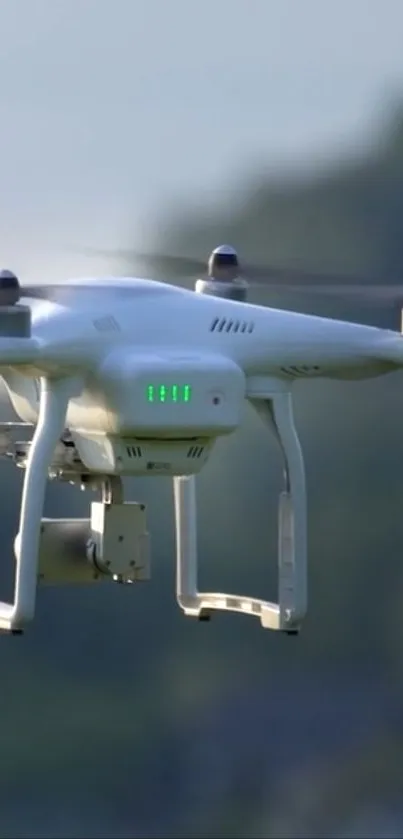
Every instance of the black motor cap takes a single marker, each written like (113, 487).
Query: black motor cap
(10, 290)
(223, 263)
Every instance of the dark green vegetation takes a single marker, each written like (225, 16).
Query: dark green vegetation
(119, 717)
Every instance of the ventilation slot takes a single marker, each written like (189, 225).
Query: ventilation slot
(303, 370)
(133, 451)
(219, 325)
(195, 451)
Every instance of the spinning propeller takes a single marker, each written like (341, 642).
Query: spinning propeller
(224, 267)
(223, 275)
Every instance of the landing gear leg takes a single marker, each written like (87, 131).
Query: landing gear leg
(278, 414)
(54, 400)
(287, 614)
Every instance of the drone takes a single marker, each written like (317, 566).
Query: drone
(118, 376)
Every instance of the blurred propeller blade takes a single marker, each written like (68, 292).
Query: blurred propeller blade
(293, 280)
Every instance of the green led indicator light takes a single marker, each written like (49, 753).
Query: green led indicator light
(168, 393)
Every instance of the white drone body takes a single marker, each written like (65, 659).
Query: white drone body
(124, 377)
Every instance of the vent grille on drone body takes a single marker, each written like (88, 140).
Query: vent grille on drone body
(195, 451)
(232, 326)
(134, 451)
(302, 370)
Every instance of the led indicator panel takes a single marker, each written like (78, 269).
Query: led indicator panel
(169, 393)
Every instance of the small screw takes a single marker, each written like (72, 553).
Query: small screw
(132, 563)
(107, 563)
(120, 538)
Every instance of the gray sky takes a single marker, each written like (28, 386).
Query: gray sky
(111, 109)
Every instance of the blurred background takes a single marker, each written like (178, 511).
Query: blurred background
(277, 126)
